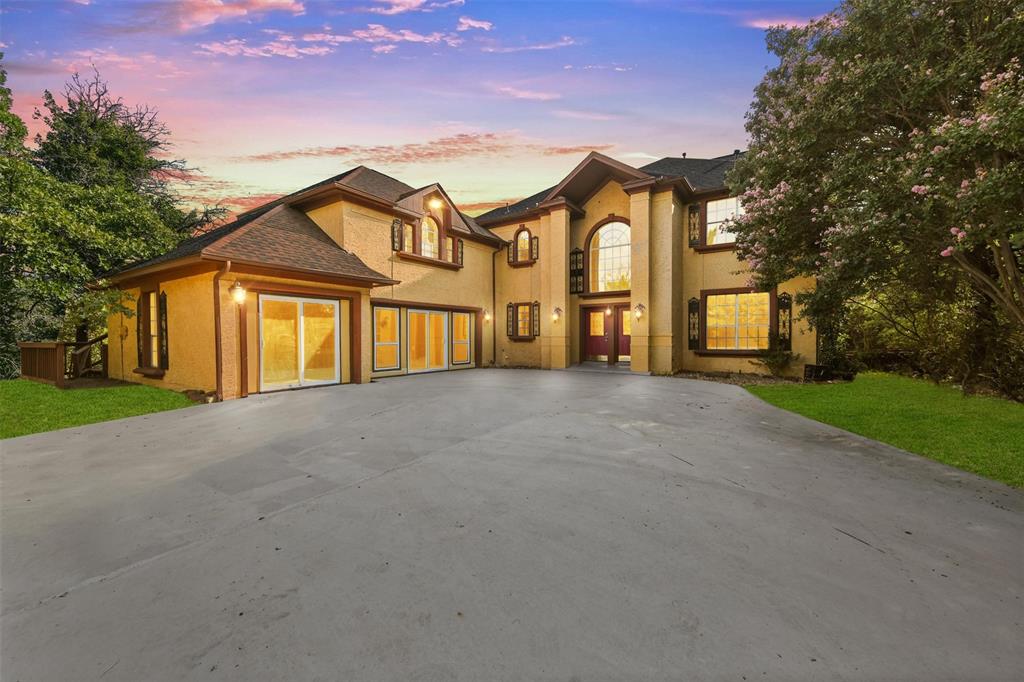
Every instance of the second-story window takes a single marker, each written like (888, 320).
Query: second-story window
(610, 257)
(720, 215)
(523, 245)
(430, 236)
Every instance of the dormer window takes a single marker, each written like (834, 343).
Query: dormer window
(430, 238)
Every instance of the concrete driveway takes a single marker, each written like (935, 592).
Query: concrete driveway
(501, 525)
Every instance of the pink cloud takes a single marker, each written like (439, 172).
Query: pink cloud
(449, 148)
(468, 24)
(564, 41)
(517, 93)
(190, 14)
(282, 46)
(768, 22)
(385, 49)
(403, 6)
(376, 34)
(109, 59)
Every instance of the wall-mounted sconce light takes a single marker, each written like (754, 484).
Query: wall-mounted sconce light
(435, 203)
(556, 314)
(608, 310)
(639, 309)
(237, 292)
(487, 316)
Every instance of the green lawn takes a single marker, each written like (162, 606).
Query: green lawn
(31, 407)
(978, 434)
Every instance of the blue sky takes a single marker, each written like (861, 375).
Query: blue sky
(495, 100)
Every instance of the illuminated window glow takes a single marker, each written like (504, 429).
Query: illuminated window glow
(738, 321)
(610, 258)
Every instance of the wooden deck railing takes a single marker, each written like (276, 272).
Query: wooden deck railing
(57, 362)
(44, 361)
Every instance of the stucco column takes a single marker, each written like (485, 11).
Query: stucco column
(553, 261)
(665, 234)
(640, 277)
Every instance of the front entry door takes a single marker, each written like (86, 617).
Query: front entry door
(623, 331)
(428, 341)
(597, 335)
(299, 342)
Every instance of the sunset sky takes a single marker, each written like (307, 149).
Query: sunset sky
(494, 100)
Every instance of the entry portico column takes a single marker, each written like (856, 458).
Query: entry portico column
(640, 279)
(554, 263)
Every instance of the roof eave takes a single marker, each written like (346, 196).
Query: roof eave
(372, 281)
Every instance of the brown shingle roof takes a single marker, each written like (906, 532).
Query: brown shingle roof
(282, 237)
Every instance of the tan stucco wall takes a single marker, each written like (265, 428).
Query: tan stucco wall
(190, 337)
(518, 285)
(722, 270)
(366, 232)
(666, 272)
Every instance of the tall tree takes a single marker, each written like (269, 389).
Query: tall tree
(887, 149)
(84, 203)
(94, 139)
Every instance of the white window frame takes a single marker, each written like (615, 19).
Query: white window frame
(469, 337)
(708, 224)
(398, 343)
(408, 345)
(302, 382)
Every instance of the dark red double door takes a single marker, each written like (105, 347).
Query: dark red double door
(606, 333)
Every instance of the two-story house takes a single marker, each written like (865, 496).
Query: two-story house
(361, 276)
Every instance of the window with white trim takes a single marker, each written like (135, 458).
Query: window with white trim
(386, 339)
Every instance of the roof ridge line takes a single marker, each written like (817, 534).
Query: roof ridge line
(228, 238)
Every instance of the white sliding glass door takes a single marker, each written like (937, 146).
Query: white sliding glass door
(428, 340)
(300, 342)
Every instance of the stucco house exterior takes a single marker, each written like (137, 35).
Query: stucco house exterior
(361, 276)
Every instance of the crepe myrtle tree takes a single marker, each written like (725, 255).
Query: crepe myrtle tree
(887, 149)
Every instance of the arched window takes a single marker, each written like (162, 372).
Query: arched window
(610, 257)
(430, 237)
(523, 245)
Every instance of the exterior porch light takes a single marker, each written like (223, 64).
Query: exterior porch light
(237, 292)
(639, 310)
(556, 314)
(487, 316)
(608, 310)
(435, 203)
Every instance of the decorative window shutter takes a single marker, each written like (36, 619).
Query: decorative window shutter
(576, 271)
(510, 321)
(535, 318)
(140, 311)
(785, 321)
(460, 252)
(511, 252)
(534, 248)
(396, 235)
(693, 324)
(163, 330)
(695, 224)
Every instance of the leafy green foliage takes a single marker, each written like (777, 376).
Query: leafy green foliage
(93, 197)
(981, 434)
(12, 128)
(30, 407)
(886, 150)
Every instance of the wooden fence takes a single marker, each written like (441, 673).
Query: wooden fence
(44, 361)
(57, 362)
